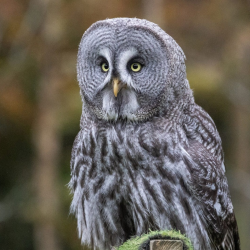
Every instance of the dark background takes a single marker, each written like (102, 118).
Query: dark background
(40, 104)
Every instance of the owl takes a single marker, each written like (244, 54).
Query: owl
(147, 157)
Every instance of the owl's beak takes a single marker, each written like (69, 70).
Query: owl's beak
(117, 85)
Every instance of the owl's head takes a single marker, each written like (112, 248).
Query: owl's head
(130, 69)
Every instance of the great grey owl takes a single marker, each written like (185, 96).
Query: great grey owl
(147, 157)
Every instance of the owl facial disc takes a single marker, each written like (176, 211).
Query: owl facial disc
(128, 70)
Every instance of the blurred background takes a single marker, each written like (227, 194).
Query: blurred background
(40, 104)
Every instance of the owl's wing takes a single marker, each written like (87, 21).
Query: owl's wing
(204, 159)
(74, 153)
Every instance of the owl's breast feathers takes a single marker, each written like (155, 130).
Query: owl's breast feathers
(161, 174)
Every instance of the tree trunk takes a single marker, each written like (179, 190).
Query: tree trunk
(46, 137)
(154, 12)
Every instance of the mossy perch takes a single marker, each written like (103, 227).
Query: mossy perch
(158, 240)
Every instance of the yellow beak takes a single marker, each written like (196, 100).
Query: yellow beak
(116, 86)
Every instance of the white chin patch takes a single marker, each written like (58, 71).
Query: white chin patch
(108, 105)
(128, 107)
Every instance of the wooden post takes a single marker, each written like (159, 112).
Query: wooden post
(166, 245)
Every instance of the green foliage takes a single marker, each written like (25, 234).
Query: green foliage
(136, 242)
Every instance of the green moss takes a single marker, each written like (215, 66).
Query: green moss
(142, 242)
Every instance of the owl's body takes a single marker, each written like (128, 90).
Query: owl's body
(146, 157)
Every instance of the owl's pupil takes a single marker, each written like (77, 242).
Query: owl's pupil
(105, 67)
(136, 67)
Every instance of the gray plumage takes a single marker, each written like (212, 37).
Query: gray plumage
(149, 158)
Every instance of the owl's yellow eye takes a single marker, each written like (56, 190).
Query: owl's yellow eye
(105, 67)
(136, 67)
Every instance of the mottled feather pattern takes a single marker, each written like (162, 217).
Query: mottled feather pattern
(159, 166)
(150, 178)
